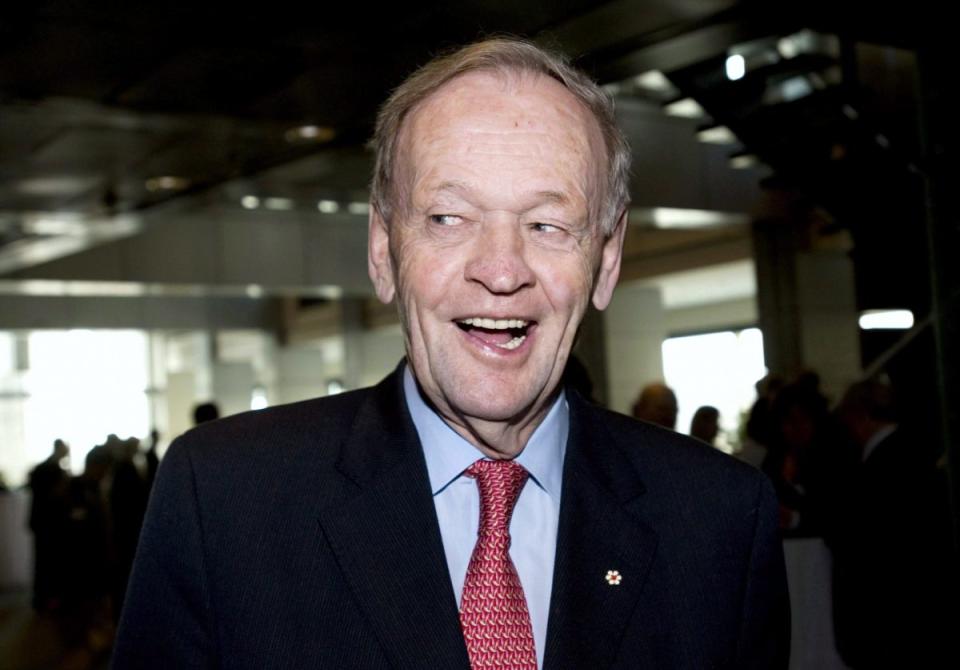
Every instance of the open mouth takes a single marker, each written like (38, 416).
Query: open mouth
(505, 334)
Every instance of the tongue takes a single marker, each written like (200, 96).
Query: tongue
(495, 337)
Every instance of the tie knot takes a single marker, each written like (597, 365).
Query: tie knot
(500, 483)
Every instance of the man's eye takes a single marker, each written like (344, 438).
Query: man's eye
(540, 227)
(445, 219)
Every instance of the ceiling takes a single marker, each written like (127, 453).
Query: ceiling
(115, 121)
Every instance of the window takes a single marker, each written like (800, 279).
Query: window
(718, 369)
(82, 385)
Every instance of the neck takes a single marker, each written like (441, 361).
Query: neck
(496, 439)
(499, 439)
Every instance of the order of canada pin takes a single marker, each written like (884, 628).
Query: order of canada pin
(613, 577)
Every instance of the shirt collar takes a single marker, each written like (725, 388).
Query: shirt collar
(448, 454)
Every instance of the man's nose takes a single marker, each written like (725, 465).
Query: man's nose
(497, 259)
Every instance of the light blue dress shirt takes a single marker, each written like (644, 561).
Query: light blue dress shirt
(533, 528)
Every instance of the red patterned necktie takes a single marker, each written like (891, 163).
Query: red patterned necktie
(493, 610)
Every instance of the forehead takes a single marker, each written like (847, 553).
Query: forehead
(516, 119)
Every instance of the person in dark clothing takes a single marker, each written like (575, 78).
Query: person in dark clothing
(312, 536)
(48, 485)
(205, 411)
(803, 458)
(152, 458)
(895, 590)
(128, 504)
(705, 424)
(87, 545)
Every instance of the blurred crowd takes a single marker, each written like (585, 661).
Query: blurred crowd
(874, 488)
(85, 530)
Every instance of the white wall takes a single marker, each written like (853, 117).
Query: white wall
(635, 328)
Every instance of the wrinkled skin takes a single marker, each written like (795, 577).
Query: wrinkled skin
(497, 175)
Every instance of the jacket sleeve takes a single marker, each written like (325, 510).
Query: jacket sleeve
(167, 618)
(764, 642)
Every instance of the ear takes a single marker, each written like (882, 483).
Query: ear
(379, 265)
(609, 270)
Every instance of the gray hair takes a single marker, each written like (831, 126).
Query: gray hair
(508, 55)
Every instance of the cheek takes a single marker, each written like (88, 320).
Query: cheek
(424, 279)
(567, 285)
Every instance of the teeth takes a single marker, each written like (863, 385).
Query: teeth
(495, 324)
(514, 343)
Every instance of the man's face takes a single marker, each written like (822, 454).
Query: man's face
(493, 254)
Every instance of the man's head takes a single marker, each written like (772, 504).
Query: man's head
(657, 403)
(866, 408)
(60, 450)
(204, 412)
(499, 202)
(705, 424)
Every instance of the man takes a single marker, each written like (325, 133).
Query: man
(657, 403)
(48, 514)
(367, 530)
(705, 424)
(894, 586)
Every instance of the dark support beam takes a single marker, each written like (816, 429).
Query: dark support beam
(776, 241)
(941, 166)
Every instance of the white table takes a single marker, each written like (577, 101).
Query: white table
(809, 564)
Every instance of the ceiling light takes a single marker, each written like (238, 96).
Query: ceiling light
(716, 135)
(886, 319)
(254, 291)
(789, 47)
(166, 183)
(278, 204)
(735, 67)
(787, 90)
(250, 201)
(653, 80)
(796, 88)
(850, 112)
(310, 133)
(612, 89)
(358, 208)
(808, 42)
(55, 186)
(54, 225)
(328, 206)
(684, 107)
(742, 161)
(671, 217)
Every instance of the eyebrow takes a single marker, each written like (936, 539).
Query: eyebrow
(458, 186)
(461, 187)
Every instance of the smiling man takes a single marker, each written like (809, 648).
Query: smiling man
(468, 512)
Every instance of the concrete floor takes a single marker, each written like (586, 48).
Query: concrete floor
(31, 641)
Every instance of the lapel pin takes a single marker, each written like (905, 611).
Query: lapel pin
(613, 577)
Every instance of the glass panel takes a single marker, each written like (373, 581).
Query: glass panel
(718, 369)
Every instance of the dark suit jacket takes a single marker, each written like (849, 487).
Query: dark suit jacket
(305, 536)
(894, 586)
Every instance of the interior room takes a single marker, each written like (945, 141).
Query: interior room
(184, 209)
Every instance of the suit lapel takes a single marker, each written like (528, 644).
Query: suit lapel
(387, 540)
(597, 533)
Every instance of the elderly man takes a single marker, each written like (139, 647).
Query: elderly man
(467, 512)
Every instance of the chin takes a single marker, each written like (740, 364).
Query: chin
(493, 404)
